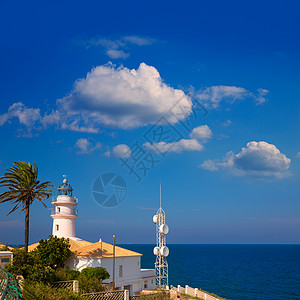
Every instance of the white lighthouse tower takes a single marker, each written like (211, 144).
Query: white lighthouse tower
(64, 213)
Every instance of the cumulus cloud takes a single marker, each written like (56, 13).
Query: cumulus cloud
(84, 146)
(177, 147)
(201, 133)
(257, 159)
(119, 97)
(124, 98)
(212, 96)
(109, 96)
(120, 151)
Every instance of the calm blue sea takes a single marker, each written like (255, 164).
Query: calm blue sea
(237, 272)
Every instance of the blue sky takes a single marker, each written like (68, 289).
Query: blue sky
(82, 82)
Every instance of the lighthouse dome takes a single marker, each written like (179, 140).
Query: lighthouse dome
(65, 188)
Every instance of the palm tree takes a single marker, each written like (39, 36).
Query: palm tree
(23, 186)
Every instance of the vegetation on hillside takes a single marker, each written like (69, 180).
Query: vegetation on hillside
(43, 266)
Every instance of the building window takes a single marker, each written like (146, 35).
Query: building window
(5, 260)
(151, 281)
(57, 227)
(145, 285)
(58, 209)
(120, 270)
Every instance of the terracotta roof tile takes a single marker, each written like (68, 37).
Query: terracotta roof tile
(84, 248)
(74, 245)
(94, 250)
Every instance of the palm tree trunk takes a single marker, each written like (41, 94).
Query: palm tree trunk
(26, 226)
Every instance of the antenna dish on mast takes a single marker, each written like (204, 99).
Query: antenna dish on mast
(156, 251)
(164, 251)
(164, 228)
(161, 250)
(155, 219)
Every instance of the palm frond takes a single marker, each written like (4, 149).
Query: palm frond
(23, 186)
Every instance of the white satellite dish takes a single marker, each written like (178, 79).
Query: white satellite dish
(156, 250)
(155, 219)
(163, 228)
(164, 251)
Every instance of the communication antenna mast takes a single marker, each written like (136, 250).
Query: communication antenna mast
(161, 250)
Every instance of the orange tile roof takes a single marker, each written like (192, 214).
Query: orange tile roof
(84, 248)
(74, 245)
(94, 250)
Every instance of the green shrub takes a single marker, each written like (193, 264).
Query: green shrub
(97, 272)
(40, 264)
(65, 275)
(53, 252)
(90, 285)
(41, 291)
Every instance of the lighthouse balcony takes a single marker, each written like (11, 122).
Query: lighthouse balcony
(62, 199)
(56, 212)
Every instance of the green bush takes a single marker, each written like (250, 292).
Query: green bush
(65, 275)
(53, 252)
(97, 272)
(90, 280)
(41, 291)
(40, 264)
(90, 285)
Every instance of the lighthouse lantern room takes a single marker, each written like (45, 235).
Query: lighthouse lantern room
(64, 213)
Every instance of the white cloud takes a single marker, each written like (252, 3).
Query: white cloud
(105, 43)
(66, 121)
(202, 132)
(257, 159)
(115, 48)
(124, 98)
(26, 116)
(120, 151)
(84, 146)
(114, 97)
(137, 40)
(114, 53)
(260, 99)
(227, 123)
(178, 147)
(211, 97)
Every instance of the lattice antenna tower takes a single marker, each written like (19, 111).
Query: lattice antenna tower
(161, 250)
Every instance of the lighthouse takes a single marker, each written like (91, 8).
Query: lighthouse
(64, 213)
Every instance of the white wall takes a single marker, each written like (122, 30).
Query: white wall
(66, 227)
(131, 272)
(148, 279)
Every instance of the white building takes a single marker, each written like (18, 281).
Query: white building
(5, 258)
(128, 272)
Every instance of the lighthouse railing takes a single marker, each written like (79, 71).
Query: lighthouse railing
(54, 211)
(72, 199)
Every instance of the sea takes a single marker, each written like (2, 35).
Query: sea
(237, 272)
